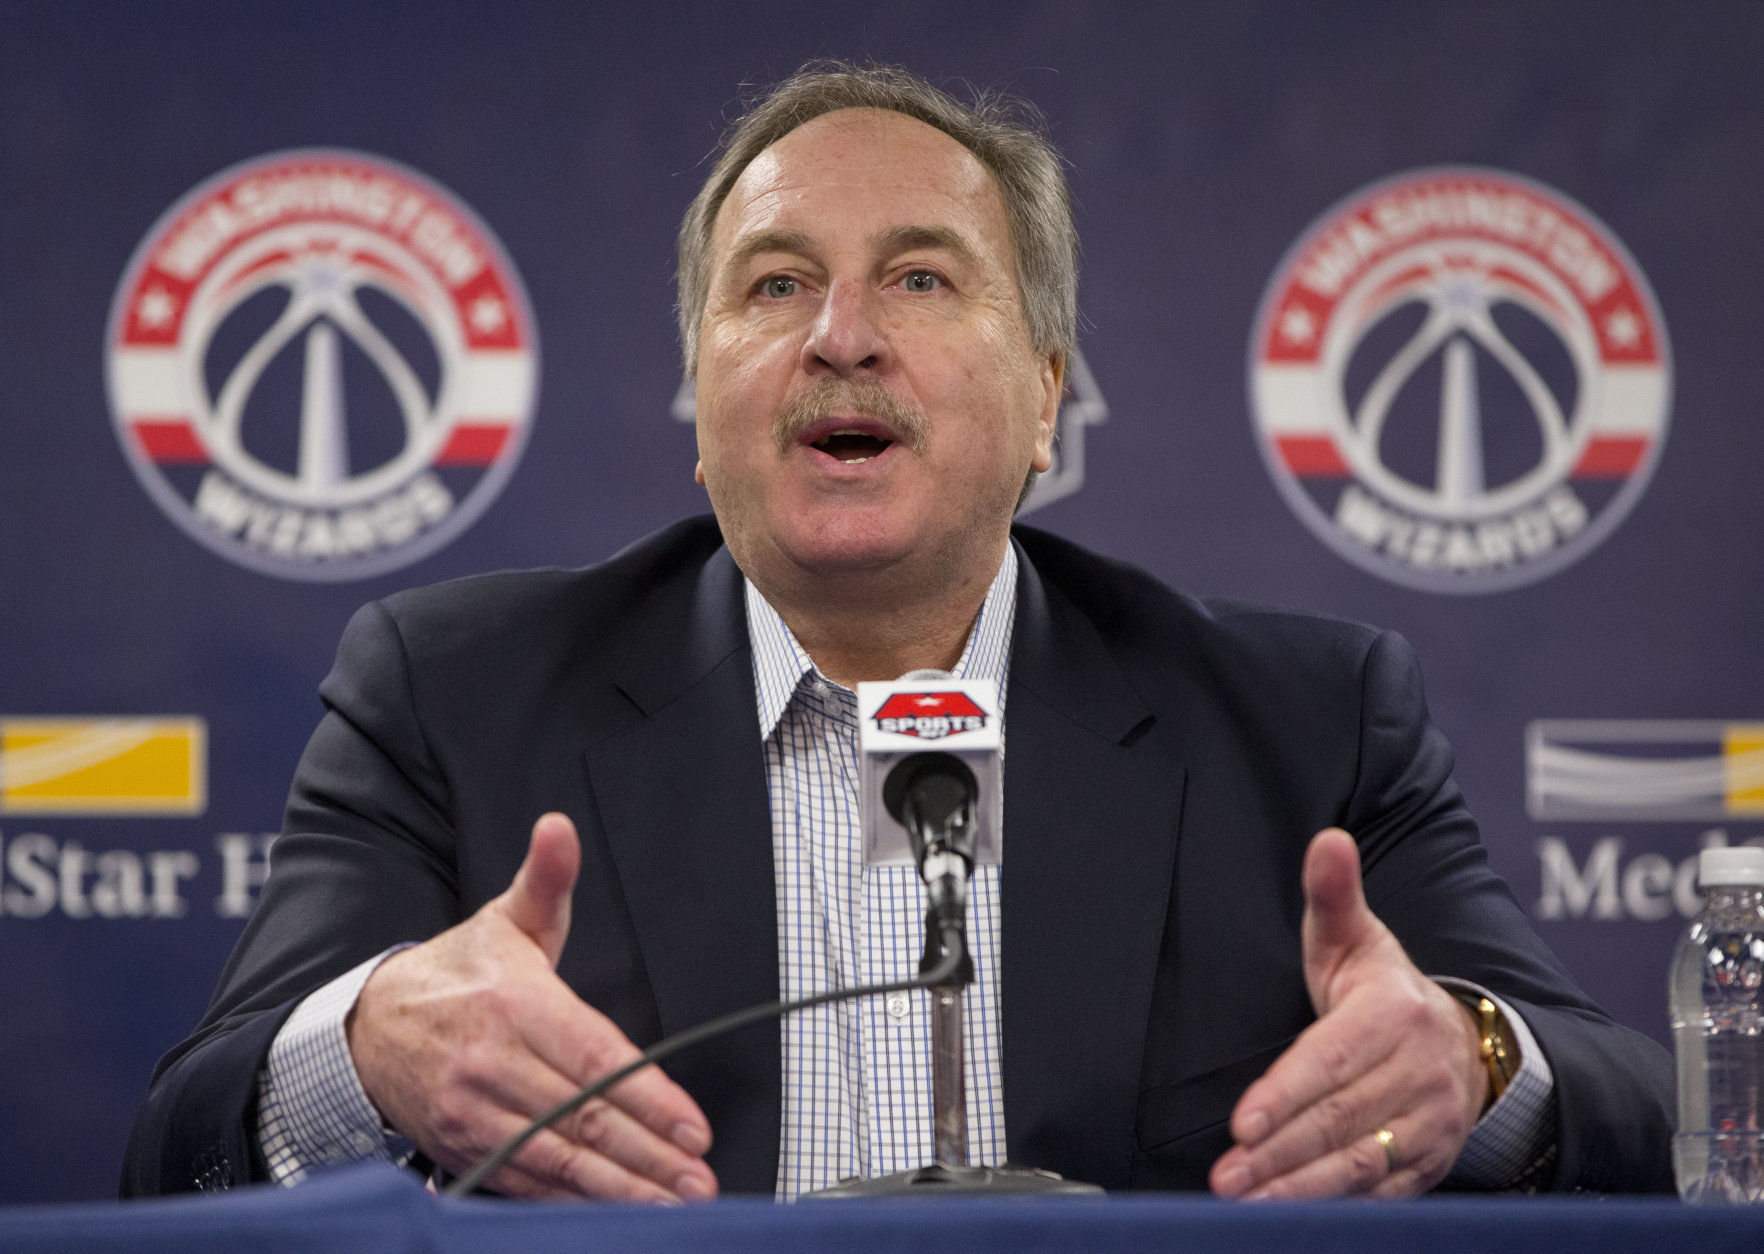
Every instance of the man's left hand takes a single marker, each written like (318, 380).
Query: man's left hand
(1390, 1052)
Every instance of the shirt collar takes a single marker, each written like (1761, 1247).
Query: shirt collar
(780, 664)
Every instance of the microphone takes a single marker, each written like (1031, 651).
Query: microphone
(931, 777)
(932, 795)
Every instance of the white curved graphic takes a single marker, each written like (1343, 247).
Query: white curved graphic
(78, 750)
(1643, 769)
(322, 289)
(1459, 302)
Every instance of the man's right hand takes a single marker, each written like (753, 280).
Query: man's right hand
(462, 1041)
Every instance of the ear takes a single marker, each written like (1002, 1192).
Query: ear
(1053, 383)
(698, 474)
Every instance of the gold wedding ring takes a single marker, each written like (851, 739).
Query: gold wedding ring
(1387, 1139)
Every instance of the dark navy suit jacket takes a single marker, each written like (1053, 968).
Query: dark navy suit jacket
(1169, 761)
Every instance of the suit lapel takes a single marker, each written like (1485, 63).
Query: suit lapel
(680, 788)
(1091, 816)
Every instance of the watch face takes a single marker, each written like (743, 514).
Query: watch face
(1496, 1045)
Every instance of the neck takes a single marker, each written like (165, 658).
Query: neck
(855, 631)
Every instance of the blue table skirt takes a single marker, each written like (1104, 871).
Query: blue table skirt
(376, 1210)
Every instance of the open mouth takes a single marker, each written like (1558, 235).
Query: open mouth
(851, 447)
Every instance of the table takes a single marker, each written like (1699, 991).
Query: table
(374, 1209)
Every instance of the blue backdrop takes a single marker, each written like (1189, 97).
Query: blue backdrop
(1535, 222)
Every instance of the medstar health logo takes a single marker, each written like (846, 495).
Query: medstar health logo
(1460, 380)
(321, 365)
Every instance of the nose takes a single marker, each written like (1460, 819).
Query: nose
(847, 336)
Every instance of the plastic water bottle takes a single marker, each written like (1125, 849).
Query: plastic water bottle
(1717, 998)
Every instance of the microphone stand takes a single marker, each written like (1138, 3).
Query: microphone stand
(948, 1174)
(949, 1097)
(932, 795)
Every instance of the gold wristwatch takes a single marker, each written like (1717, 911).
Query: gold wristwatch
(1495, 1042)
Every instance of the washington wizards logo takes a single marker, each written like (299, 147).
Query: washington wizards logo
(321, 365)
(1460, 380)
(929, 715)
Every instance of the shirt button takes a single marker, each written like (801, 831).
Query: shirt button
(898, 1006)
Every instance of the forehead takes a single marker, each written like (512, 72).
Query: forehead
(864, 169)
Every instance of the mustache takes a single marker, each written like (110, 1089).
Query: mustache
(864, 397)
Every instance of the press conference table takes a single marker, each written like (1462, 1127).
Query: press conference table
(376, 1210)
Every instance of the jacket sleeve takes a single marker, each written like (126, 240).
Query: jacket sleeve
(1427, 876)
(365, 861)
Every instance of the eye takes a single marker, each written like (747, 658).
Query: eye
(922, 281)
(779, 286)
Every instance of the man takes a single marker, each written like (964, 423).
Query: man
(877, 301)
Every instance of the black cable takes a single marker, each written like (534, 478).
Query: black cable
(954, 955)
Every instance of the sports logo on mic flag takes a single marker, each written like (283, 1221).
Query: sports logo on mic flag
(1644, 769)
(929, 715)
(103, 766)
(321, 365)
(1460, 380)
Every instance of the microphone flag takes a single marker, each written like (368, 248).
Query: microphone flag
(922, 713)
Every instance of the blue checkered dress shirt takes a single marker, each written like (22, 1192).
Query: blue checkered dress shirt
(857, 1075)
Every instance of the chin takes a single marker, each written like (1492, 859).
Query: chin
(826, 558)
(848, 544)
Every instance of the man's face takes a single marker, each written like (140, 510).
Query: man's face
(868, 396)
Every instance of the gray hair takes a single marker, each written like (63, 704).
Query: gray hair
(1004, 132)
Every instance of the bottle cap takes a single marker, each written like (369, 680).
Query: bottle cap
(1742, 864)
